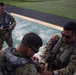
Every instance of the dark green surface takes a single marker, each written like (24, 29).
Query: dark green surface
(64, 8)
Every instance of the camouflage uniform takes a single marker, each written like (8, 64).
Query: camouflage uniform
(25, 69)
(28, 69)
(6, 35)
(69, 68)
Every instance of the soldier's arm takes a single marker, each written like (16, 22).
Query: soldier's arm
(1, 54)
(70, 69)
(12, 20)
(28, 69)
(48, 47)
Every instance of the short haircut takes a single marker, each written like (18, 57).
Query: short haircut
(70, 26)
(2, 4)
(32, 39)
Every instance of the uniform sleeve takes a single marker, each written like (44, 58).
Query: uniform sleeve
(12, 20)
(28, 69)
(70, 69)
(1, 54)
(48, 47)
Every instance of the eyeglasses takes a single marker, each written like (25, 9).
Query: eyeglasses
(35, 50)
(63, 35)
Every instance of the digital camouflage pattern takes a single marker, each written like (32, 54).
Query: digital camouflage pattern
(28, 69)
(22, 66)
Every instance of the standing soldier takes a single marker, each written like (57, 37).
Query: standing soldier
(7, 24)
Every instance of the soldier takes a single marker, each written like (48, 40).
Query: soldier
(17, 61)
(60, 52)
(7, 24)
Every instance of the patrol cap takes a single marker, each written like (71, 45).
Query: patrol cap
(32, 40)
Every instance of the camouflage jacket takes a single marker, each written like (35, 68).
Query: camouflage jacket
(71, 62)
(18, 64)
(7, 19)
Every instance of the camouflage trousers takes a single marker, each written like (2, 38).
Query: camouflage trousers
(7, 37)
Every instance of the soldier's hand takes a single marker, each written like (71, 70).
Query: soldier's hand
(47, 73)
(42, 67)
(1, 28)
(34, 58)
(10, 28)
